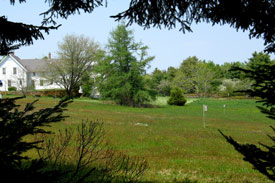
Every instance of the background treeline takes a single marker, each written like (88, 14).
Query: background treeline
(205, 78)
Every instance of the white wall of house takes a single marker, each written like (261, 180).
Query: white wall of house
(40, 83)
(12, 74)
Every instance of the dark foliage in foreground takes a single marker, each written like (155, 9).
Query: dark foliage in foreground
(263, 87)
(16, 124)
(68, 156)
(255, 16)
(262, 160)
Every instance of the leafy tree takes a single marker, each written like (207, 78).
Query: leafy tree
(157, 76)
(159, 82)
(171, 73)
(231, 87)
(194, 76)
(206, 76)
(176, 97)
(76, 56)
(87, 84)
(227, 73)
(185, 76)
(122, 71)
(164, 87)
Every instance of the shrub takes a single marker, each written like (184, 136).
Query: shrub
(72, 155)
(12, 88)
(91, 159)
(176, 97)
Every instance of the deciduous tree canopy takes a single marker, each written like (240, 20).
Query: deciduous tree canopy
(76, 55)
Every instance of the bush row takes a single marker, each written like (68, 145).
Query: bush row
(42, 93)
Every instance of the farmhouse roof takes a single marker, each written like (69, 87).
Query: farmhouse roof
(34, 65)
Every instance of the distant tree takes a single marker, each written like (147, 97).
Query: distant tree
(121, 73)
(158, 75)
(230, 87)
(216, 77)
(87, 83)
(171, 73)
(185, 76)
(206, 76)
(76, 56)
(176, 97)
(226, 72)
(159, 82)
(194, 76)
(164, 87)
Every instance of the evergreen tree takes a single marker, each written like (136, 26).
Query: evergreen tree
(176, 97)
(16, 124)
(122, 71)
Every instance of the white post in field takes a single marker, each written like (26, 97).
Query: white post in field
(204, 109)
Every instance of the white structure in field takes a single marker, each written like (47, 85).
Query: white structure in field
(22, 73)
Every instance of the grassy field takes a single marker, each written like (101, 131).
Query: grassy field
(173, 140)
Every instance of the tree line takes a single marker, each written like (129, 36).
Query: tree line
(205, 78)
(118, 72)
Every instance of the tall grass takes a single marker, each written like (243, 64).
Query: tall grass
(173, 139)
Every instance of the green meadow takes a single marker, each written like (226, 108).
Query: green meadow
(173, 140)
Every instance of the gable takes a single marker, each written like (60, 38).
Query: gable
(10, 61)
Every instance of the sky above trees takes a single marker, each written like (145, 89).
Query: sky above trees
(219, 43)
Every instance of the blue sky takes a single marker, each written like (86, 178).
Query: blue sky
(170, 47)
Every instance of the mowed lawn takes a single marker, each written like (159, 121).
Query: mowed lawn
(172, 139)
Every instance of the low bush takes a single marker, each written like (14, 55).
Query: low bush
(12, 88)
(176, 97)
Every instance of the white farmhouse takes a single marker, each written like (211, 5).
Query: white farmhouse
(22, 73)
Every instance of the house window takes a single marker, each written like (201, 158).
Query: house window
(9, 83)
(4, 70)
(41, 82)
(20, 82)
(14, 70)
(33, 74)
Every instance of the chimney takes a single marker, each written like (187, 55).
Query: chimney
(12, 53)
(49, 56)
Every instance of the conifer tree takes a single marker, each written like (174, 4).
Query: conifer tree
(121, 72)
